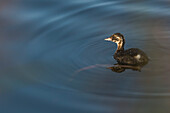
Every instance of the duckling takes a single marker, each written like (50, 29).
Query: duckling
(132, 56)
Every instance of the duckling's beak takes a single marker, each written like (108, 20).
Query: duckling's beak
(108, 39)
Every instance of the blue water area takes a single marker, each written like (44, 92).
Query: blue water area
(53, 57)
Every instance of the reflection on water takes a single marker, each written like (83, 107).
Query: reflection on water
(122, 68)
(44, 42)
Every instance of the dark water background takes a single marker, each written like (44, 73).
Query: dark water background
(43, 42)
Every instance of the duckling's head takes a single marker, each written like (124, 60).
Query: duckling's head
(117, 38)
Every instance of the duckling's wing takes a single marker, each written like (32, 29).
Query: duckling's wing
(135, 56)
(131, 56)
(127, 59)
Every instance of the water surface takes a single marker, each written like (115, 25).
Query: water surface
(43, 43)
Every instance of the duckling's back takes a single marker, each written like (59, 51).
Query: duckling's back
(133, 56)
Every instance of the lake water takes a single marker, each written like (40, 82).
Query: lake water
(53, 56)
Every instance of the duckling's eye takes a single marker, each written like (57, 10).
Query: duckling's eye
(116, 39)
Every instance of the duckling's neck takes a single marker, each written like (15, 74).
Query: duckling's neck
(120, 46)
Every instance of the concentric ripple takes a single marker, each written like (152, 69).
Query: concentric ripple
(53, 54)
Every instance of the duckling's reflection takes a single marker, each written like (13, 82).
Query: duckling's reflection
(121, 68)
